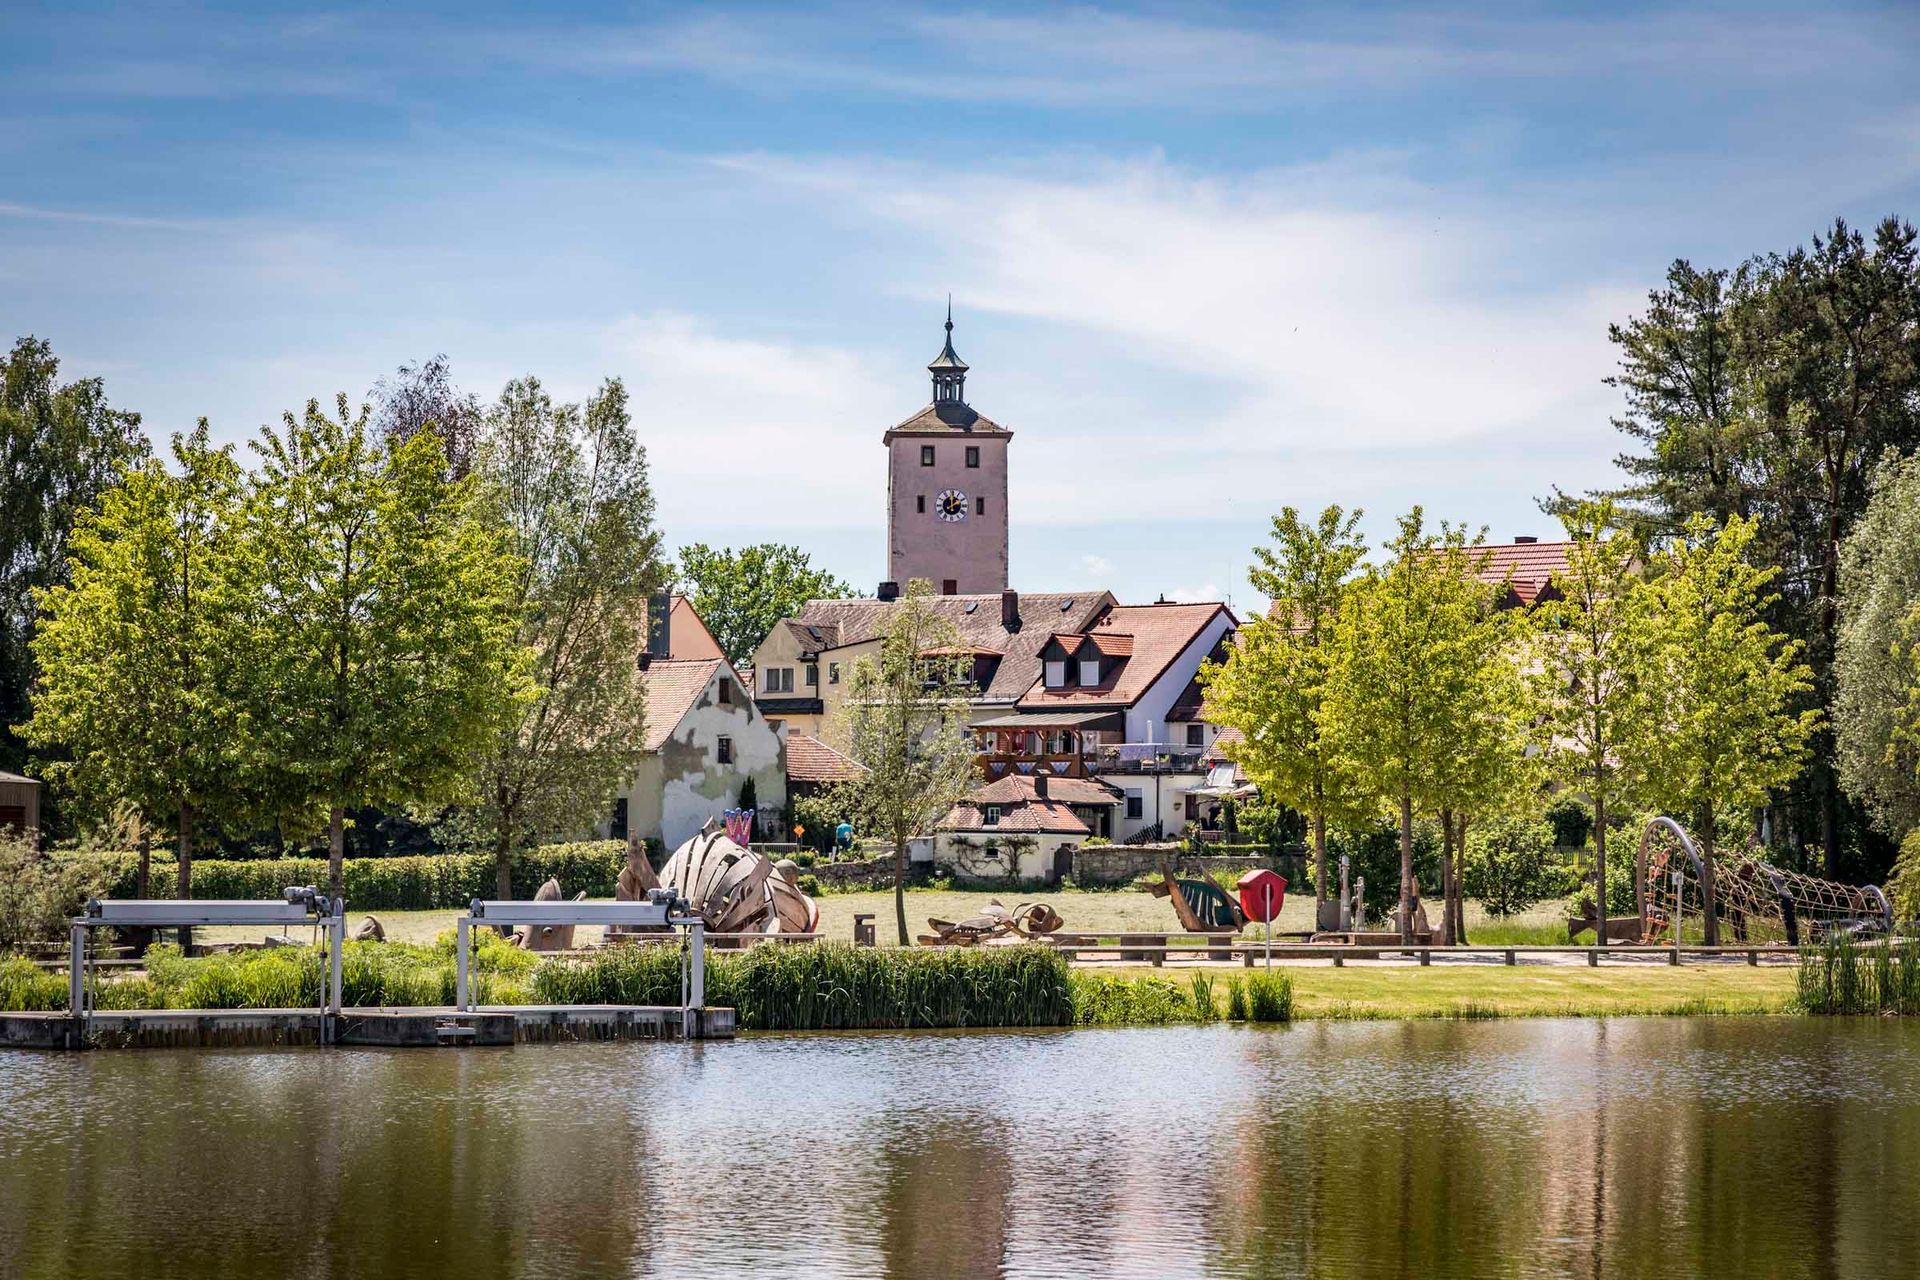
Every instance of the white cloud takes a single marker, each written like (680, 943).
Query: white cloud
(753, 431)
(1097, 567)
(1203, 594)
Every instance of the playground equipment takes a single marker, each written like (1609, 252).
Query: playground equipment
(995, 926)
(1754, 901)
(1202, 905)
(736, 890)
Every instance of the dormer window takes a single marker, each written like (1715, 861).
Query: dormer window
(1089, 672)
(1056, 673)
(993, 815)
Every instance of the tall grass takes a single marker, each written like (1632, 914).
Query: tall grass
(1108, 1000)
(1842, 976)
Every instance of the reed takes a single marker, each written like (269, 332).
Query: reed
(1841, 976)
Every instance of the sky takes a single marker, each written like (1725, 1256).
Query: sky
(1206, 260)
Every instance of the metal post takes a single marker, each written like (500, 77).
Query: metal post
(462, 929)
(1269, 888)
(697, 961)
(77, 971)
(1679, 908)
(336, 964)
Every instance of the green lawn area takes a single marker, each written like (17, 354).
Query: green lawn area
(1108, 912)
(1538, 991)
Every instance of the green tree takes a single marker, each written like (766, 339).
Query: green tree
(1509, 865)
(1273, 685)
(1713, 728)
(1587, 665)
(61, 447)
(742, 595)
(137, 664)
(381, 637)
(1878, 677)
(1411, 677)
(569, 484)
(906, 720)
(1772, 393)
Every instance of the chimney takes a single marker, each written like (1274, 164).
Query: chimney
(889, 591)
(1039, 784)
(659, 628)
(1524, 539)
(1009, 610)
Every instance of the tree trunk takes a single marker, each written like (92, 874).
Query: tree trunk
(1459, 883)
(503, 869)
(1320, 893)
(900, 888)
(143, 888)
(1709, 901)
(1406, 869)
(1446, 877)
(184, 852)
(337, 852)
(1600, 863)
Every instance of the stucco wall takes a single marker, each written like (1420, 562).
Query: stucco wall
(1147, 718)
(972, 551)
(676, 789)
(1022, 856)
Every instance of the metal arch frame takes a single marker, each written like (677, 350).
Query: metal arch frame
(661, 908)
(298, 905)
(1640, 867)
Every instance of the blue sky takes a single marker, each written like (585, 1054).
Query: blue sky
(1206, 260)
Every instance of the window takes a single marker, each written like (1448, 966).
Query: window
(725, 751)
(617, 829)
(1056, 673)
(1196, 735)
(949, 586)
(1135, 807)
(779, 679)
(772, 682)
(726, 692)
(979, 506)
(1089, 672)
(926, 455)
(833, 673)
(993, 815)
(920, 504)
(813, 675)
(973, 455)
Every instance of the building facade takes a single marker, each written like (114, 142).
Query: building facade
(947, 490)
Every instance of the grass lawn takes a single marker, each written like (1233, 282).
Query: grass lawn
(1106, 912)
(1458, 991)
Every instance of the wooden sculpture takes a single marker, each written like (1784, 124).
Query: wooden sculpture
(735, 890)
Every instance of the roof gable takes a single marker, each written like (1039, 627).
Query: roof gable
(1146, 640)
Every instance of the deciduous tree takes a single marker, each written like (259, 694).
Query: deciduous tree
(1587, 666)
(569, 484)
(742, 595)
(1714, 726)
(906, 720)
(136, 655)
(1273, 685)
(382, 639)
(1877, 702)
(61, 447)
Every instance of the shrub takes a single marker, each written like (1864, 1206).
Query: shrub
(426, 883)
(1572, 822)
(1903, 884)
(1269, 996)
(808, 883)
(40, 893)
(1510, 865)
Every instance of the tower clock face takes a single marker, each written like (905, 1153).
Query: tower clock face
(951, 505)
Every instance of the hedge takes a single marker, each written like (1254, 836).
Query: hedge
(437, 882)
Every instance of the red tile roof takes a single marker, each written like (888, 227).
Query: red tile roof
(1217, 753)
(1156, 635)
(1532, 564)
(1049, 817)
(811, 760)
(673, 686)
(1018, 788)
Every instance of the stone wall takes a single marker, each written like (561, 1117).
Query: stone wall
(1103, 865)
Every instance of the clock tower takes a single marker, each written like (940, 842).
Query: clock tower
(947, 490)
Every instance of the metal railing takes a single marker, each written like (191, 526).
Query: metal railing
(661, 909)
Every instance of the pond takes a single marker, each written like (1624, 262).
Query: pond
(1630, 1147)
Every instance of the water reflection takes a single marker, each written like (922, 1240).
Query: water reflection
(1628, 1148)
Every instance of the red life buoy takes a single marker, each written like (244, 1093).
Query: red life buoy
(1262, 894)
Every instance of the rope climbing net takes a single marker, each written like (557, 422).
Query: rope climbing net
(1755, 901)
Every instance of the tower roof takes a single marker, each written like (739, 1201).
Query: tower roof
(948, 359)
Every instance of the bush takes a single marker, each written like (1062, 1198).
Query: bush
(1375, 854)
(1510, 865)
(428, 883)
(41, 893)
(1903, 883)
(1572, 822)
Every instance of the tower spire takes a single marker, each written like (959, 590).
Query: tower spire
(949, 371)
